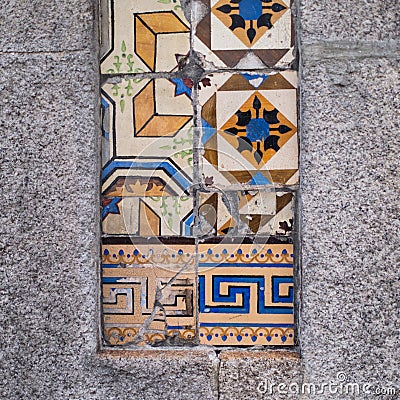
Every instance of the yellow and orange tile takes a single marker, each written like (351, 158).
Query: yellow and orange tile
(246, 294)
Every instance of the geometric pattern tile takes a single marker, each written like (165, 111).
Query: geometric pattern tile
(147, 117)
(148, 285)
(234, 30)
(246, 213)
(142, 36)
(246, 294)
(249, 129)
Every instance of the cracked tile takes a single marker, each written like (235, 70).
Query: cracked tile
(149, 293)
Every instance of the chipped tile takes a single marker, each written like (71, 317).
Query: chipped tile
(142, 36)
(246, 294)
(149, 293)
(246, 33)
(243, 213)
(249, 130)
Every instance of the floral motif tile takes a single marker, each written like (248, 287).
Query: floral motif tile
(244, 213)
(149, 293)
(246, 294)
(142, 36)
(247, 33)
(249, 129)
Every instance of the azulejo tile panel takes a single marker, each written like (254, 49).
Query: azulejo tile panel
(247, 33)
(246, 294)
(142, 36)
(148, 293)
(199, 175)
(249, 129)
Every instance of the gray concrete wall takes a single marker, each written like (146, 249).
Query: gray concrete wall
(49, 233)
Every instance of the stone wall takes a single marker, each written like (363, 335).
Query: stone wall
(348, 321)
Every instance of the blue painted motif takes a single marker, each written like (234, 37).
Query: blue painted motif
(259, 179)
(237, 265)
(110, 280)
(250, 9)
(276, 281)
(251, 78)
(104, 107)
(231, 296)
(154, 165)
(245, 324)
(208, 131)
(181, 88)
(188, 225)
(110, 266)
(257, 130)
(111, 208)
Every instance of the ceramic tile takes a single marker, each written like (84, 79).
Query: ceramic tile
(148, 118)
(246, 33)
(246, 294)
(147, 216)
(148, 293)
(142, 36)
(249, 130)
(242, 213)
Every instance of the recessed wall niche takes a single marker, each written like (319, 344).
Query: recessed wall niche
(200, 173)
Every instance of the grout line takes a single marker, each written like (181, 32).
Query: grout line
(297, 212)
(196, 181)
(326, 49)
